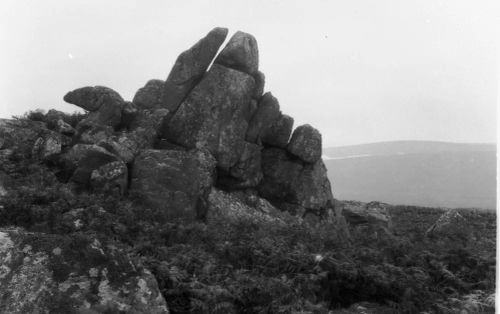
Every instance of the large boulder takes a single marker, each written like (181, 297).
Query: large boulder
(268, 110)
(215, 115)
(105, 105)
(42, 273)
(149, 96)
(241, 53)
(190, 67)
(174, 182)
(294, 185)
(306, 143)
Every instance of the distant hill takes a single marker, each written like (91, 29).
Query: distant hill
(437, 174)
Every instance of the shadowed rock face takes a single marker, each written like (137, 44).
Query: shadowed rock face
(173, 181)
(190, 67)
(42, 273)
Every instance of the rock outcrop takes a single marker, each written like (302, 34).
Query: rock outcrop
(41, 273)
(209, 124)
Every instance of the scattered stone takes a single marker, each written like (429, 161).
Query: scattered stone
(268, 110)
(111, 178)
(149, 96)
(241, 53)
(65, 128)
(190, 67)
(373, 213)
(173, 181)
(279, 132)
(306, 143)
(46, 147)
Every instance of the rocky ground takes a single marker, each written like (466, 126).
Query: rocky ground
(198, 196)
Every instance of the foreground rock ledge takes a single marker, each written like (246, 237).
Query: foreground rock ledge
(41, 273)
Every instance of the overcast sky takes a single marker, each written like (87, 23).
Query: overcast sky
(359, 71)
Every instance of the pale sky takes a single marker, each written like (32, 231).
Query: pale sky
(359, 71)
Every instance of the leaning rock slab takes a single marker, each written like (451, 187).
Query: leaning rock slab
(306, 143)
(41, 273)
(241, 53)
(172, 181)
(190, 67)
(214, 115)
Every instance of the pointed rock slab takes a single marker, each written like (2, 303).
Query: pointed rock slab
(306, 143)
(174, 182)
(149, 96)
(215, 115)
(279, 132)
(45, 273)
(190, 67)
(288, 180)
(241, 53)
(267, 111)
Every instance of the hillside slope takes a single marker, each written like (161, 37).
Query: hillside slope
(415, 173)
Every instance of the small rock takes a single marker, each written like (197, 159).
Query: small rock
(306, 143)
(149, 96)
(110, 178)
(279, 132)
